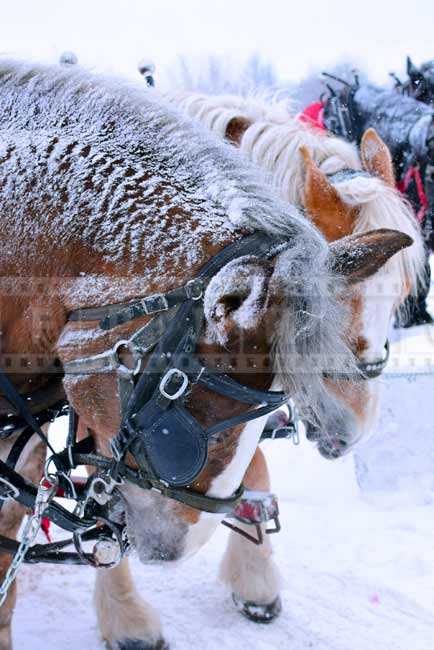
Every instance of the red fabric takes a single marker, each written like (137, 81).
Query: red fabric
(314, 115)
(45, 526)
(414, 172)
(46, 523)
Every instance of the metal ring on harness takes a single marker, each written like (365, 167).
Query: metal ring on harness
(107, 552)
(13, 491)
(117, 362)
(194, 290)
(173, 372)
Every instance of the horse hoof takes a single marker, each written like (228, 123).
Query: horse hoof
(258, 613)
(137, 644)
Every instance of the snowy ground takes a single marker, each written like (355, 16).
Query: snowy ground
(358, 567)
(358, 577)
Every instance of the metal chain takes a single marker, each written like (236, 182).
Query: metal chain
(31, 529)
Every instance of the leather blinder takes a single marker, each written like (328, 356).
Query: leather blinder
(174, 448)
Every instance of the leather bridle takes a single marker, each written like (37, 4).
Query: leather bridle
(167, 442)
(157, 428)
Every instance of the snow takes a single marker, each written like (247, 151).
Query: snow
(356, 559)
(357, 574)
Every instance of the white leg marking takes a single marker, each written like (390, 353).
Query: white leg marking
(121, 612)
(249, 571)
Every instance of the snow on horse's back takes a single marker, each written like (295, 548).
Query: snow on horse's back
(113, 151)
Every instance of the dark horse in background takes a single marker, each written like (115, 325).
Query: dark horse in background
(405, 121)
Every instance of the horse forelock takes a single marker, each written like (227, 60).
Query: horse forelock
(305, 343)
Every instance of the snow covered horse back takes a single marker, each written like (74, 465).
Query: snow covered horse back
(109, 196)
(343, 195)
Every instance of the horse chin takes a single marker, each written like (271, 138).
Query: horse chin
(155, 534)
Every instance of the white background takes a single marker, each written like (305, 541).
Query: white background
(294, 35)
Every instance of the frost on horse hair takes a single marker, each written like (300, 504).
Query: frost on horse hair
(114, 165)
(108, 195)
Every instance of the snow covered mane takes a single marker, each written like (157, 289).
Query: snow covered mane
(272, 139)
(114, 146)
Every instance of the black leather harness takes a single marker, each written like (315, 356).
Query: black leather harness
(168, 443)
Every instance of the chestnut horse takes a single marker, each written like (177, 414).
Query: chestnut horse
(342, 195)
(108, 197)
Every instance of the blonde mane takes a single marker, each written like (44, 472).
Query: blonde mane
(273, 141)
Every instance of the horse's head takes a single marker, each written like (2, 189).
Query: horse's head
(343, 195)
(267, 322)
(420, 84)
(356, 201)
(173, 200)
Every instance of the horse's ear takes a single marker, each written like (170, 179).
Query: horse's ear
(412, 71)
(237, 297)
(236, 128)
(329, 213)
(359, 256)
(376, 157)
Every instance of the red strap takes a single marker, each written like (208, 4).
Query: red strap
(45, 526)
(46, 523)
(314, 115)
(403, 185)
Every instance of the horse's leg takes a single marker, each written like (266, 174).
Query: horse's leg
(31, 466)
(125, 620)
(249, 570)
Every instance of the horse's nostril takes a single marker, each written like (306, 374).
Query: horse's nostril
(329, 453)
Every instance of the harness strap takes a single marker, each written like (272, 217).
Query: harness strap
(50, 553)
(402, 186)
(26, 495)
(111, 316)
(138, 345)
(225, 385)
(243, 418)
(213, 505)
(15, 398)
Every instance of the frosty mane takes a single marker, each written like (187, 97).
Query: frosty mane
(273, 142)
(119, 143)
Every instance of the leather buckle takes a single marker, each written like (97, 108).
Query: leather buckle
(194, 289)
(155, 303)
(165, 381)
